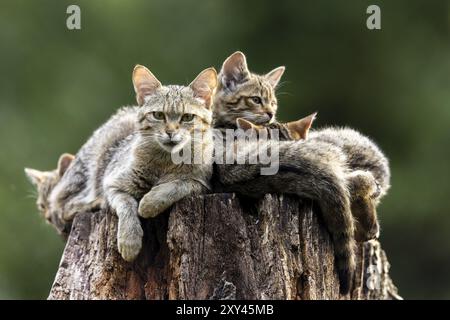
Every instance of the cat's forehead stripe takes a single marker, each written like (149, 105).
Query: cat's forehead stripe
(174, 100)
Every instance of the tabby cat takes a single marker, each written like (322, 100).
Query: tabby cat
(127, 164)
(142, 179)
(312, 168)
(369, 170)
(45, 182)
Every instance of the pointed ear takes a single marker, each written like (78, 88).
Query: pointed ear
(64, 162)
(205, 85)
(299, 129)
(274, 76)
(234, 71)
(144, 82)
(243, 124)
(36, 177)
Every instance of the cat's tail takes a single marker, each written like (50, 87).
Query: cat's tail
(321, 175)
(331, 193)
(313, 170)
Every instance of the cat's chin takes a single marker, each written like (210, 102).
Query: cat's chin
(171, 147)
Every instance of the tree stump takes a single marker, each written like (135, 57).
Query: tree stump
(217, 246)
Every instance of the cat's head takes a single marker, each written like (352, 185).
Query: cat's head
(45, 181)
(295, 130)
(242, 94)
(171, 114)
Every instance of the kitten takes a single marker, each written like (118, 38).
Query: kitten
(246, 95)
(80, 189)
(314, 170)
(45, 181)
(142, 179)
(368, 175)
(243, 94)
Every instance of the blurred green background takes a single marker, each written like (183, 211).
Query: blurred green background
(57, 86)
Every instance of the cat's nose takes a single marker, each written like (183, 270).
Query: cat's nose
(173, 136)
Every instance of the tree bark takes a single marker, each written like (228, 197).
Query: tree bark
(217, 246)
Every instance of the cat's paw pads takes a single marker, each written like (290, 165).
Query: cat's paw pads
(129, 241)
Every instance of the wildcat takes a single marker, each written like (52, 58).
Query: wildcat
(76, 184)
(45, 181)
(78, 190)
(368, 168)
(142, 179)
(128, 136)
(314, 169)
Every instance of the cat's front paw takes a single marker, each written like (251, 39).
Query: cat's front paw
(150, 206)
(129, 239)
(366, 221)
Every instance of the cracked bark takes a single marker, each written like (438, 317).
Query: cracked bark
(217, 247)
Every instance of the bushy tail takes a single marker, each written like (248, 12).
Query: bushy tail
(332, 195)
(344, 250)
(311, 170)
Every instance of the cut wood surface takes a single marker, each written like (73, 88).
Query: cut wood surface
(217, 246)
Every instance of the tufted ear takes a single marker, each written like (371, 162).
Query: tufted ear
(243, 124)
(144, 82)
(274, 76)
(204, 86)
(64, 162)
(36, 177)
(234, 71)
(299, 129)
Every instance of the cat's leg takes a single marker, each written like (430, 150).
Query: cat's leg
(364, 191)
(129, 230)
(164, 195)
(81, 205)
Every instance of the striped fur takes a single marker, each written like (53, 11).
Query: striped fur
(309, 169)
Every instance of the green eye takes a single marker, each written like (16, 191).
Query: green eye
(187, 117)
(256, 100)
(158, 115)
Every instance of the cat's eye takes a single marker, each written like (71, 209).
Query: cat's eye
(158, 115)
(187, 117)
(256, 100)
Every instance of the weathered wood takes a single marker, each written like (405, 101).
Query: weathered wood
(217, 247)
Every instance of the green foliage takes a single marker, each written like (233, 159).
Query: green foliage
(57, 86)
